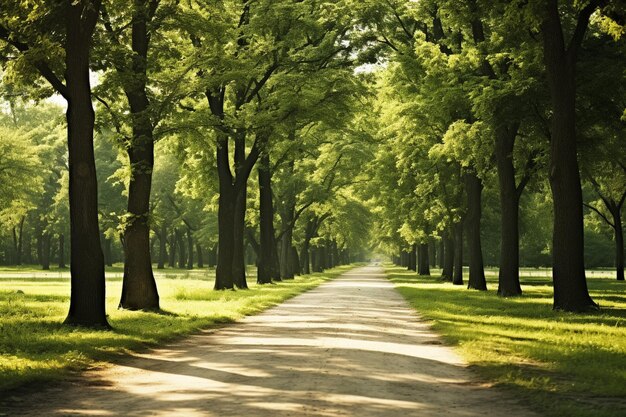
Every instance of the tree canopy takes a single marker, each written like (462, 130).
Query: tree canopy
(301, 135)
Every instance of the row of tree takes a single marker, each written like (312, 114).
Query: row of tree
(285, 126)
(182, 89)
(502, 96)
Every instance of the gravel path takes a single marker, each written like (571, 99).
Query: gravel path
(351, 347)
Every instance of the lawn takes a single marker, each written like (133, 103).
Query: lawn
(560, 364)
(35, 347)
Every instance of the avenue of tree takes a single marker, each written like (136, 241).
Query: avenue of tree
(300, 135)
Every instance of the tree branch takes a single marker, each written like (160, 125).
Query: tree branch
(610, 223)
(581, 26)
(41, 66)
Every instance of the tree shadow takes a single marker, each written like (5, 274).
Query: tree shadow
(352, 350)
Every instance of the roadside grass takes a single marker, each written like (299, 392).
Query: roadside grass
(35, 346)
(560, 364)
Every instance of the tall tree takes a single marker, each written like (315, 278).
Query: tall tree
(561, 55)
(76, 21)
(245, 102)
(133, 52)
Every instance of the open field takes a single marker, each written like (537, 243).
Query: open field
(36, 347)
(564, 364)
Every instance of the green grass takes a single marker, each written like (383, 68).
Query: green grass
(560, 364)
(36, 347)
(115, 270)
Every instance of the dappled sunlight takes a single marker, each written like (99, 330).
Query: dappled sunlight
(233, 369)
(37, 346)
(522, 342)
(417, 351)
(352, 347)
(87, 412)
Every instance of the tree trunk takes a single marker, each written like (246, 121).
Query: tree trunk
(239, 253)
(287, 217)
(308, 253)
(189, 249)
(61, 251)
(231, 268)
(457, 278)
(275, 260)
(424, 262)
(266, 271)
(213, 257)
(570, 284)
(474, 188)
(448, 257)
(250, 254)
(200, 255)
(316, 261)
(162, 246)
(294, 260)
(412, 261)
(226, 218)
(139, 290)
(313, 254)
(47, 247)
(173, 244)
(108, 256)
(619, 244)
(404, 259)
(182, 253)
(53, 250)
(87, 298)
(441, 253)
(305, 258)
(508, 275)
(287, 270)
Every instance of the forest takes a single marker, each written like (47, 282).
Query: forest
(264, 141)
(420, 126)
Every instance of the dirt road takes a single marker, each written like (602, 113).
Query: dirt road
(352, 347)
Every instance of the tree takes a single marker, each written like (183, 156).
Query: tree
(133, 52)
(76, 21)
(561, 54)
(237, 76)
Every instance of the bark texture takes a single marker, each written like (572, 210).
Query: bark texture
(267, 265)
(139, 290)
(448, 257)
(570, 284)
(87, 299)
(508, 275)
(474, 188)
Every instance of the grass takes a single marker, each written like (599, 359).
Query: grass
(116, 270)
(36, 347)
(560, 364)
